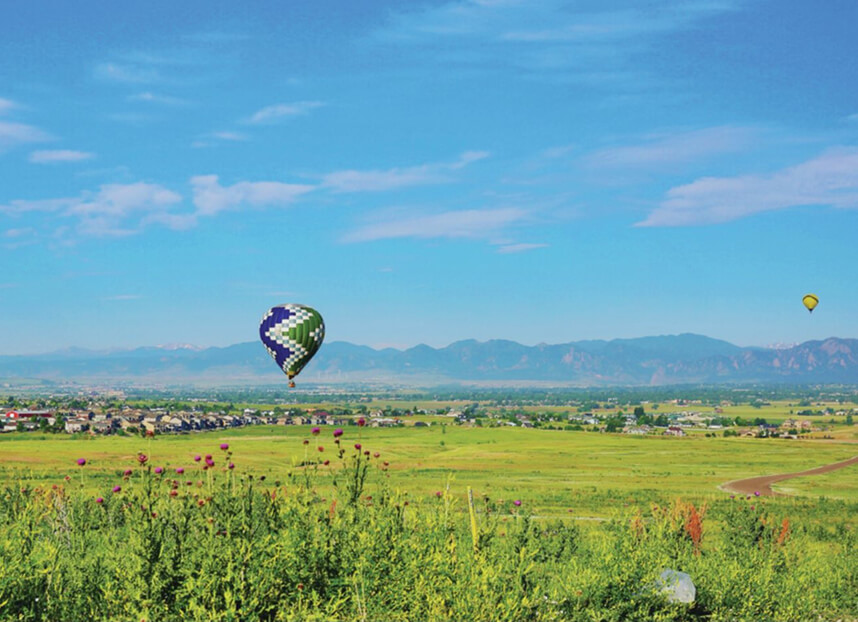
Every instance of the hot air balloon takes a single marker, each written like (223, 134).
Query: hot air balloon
(292, 334)
(810, 301)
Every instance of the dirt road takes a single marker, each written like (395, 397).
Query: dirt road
(763, 484)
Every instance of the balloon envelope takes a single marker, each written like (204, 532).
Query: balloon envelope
(292, 334)
(810, 301)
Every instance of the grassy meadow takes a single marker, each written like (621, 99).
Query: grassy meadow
(558, 473)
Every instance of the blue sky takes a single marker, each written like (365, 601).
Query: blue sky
(424, 172)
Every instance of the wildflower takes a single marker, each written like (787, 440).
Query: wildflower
(142, 458)
(231, 466)
(338, 432)
(209, 462)
(197, 458)
(438, 493)
(386, 463)
(224, 446)
(173, 493)
(516, 503)
(159, 470)
(99, 500)
(201, 502)
(306, 442)
(180, 470)
(326, 462)
(315, 431)
(127, 473)
(81, 461)
(357, 446)
(117, 489)
(361, 422)
(208, 456)
(320, 448)
(376, 455)
(756, 493)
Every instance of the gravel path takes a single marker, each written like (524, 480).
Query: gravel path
(763, 484)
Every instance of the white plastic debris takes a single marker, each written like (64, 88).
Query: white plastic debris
(676, 586)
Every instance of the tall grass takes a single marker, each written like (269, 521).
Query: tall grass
(334, 541)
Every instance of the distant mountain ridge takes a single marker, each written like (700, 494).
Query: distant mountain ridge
(661, 360)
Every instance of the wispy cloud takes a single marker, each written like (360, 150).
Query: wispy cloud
(154, 98)
(113, 210)
(60, 155)
(15, 134)
(455, 224)
(123, 297)
(379, 180)
(277, 112)
(830, 179)
(210, 197)
(519, 248)
(6, 105)
(547, 37)
(671, 148)
(127, 73)
(230, 136)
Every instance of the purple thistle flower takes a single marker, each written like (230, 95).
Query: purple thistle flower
(231, 466)
(159, 470)
(361, 422)
(142, 458)
(224, 446)
(338, 432)
(208, 456)
(197, 458)
(756, 493)
(127, 473)
(81, 461)
(117, 489)
(315, 431)
(516, 503)
(209, 462)
(180, 470)
(438, 493)
(99, 500)
(357, 446)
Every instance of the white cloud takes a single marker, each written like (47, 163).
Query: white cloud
(829, 180)
(669, 149)
(230, 136)
(18, 233)
(14, 134)
(114, 210)
(210, 197)
(519, 248)
(273, 113)
(154, 98)
(375, 181)
(459, 224)
(59, 155)
(6, 105)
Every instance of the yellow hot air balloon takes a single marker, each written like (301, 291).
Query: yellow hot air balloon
(810, 301)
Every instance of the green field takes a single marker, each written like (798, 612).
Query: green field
(558, 473)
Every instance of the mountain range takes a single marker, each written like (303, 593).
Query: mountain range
(661, 360)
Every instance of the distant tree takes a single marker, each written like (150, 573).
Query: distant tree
(849, 419)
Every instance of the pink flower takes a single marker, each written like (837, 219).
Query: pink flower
(516, 503)
(197, 458)
(159, 470)
(127, 472)
(357, 446)
(209, 462)
(231, 466)
(99, 500)
(142, 458)
(321, 448)
(315, 431)
(224, 446)
(338, 432)
(361, 422)
(81, 461)
(376, 455)
(117, 489)
(180, 470)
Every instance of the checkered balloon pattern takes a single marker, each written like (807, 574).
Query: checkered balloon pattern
(292, 334)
